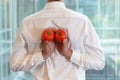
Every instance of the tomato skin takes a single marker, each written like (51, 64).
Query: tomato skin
(60, 35)
(48, 35)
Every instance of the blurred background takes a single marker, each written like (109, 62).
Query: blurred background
(104, 14)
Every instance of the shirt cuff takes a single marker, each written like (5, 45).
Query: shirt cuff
(75, 58)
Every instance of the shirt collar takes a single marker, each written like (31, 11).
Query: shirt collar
(56, 4)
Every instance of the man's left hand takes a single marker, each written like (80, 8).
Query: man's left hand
(63, 48)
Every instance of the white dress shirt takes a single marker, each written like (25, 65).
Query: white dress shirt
(83, 40)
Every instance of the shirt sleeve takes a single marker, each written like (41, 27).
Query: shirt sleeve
(20, 58)
(93, 57)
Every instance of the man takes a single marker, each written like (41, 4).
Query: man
(57, 61)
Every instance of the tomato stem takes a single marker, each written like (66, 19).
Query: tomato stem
(49, 33)
(59, 33)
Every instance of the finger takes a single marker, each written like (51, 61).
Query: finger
(50, 45)
(45, 42)
(59, 43)
(65, 41)
(43, 46)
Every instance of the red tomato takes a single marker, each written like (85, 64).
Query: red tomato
(60, 35)
(48, 35)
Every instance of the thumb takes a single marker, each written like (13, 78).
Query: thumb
(65, 42)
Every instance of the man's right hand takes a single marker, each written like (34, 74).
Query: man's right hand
(47, 48)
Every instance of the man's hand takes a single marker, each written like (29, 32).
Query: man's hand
(47, 48)
(63, 49)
